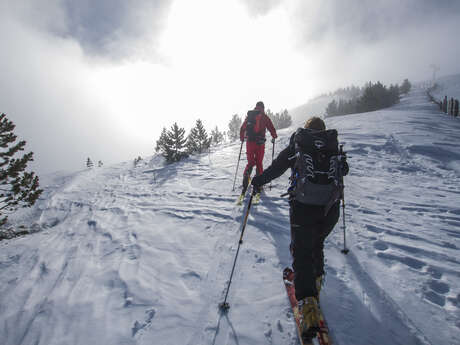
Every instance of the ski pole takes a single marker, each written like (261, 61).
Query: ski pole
(224, 306)
(345, 249)
(237, 165)
(273, 155)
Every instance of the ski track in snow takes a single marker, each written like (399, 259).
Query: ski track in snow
(142, 255)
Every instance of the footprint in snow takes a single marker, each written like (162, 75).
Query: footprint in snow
(439, 286)
(192, 279)
(259, 260)
(268, 332)
(434, 272)
(380, 245)
(138, 326)
(434, 297)
(374, 228)
(435, 290)
(406, 260)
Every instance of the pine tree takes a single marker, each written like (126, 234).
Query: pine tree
(280, 120)
(198, 140)
(18, 188)
(177, 137)
(285, 119)
(89, 163)
(100, 164)
(164, 145)
(406, 86)
(331, 109)
(137, 161)
(216, 136)
(394, 94)
(172, 144)
(234, 128)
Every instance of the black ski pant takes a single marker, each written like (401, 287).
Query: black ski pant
(309, 229)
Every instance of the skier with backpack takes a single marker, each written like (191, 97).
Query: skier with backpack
(253, 129)
(316, 187)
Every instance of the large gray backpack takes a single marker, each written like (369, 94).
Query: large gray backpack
(316, 177)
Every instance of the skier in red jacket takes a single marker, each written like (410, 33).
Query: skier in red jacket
(253, 128)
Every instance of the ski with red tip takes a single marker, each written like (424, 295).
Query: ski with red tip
(323, 334)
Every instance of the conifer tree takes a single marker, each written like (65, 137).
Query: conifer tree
(172, 144)
(216, 136)
(331, 109)
(394, 94)
(198, 140)
(164, 145)
(280, 120)
(177, 137)
(18, 188)
(234, 128)
(137, 161)
(100, 164)
(89, 163)
(406, 86)
(285, 120)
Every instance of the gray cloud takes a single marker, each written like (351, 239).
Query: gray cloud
(359, 20)
(369, 21)
(113, 29)
(355, 41)
(47, 90)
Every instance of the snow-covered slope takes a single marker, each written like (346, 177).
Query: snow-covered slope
(142, 255)
(314, 107)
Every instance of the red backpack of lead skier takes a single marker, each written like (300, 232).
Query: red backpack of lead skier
(253, 129)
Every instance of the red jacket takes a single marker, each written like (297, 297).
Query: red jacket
(264, 124)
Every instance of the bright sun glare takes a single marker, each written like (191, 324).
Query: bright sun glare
(219, 61)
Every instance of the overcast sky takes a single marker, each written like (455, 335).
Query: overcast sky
(100, 78)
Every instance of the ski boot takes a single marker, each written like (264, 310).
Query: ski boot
(310, 318)
(246, 182)
(257, 191)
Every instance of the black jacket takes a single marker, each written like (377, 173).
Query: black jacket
(279, 166)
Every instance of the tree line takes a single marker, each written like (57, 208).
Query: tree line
(174, 145)
(374, 97)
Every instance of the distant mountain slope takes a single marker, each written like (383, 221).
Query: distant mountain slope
(317, 106)
(314, 107)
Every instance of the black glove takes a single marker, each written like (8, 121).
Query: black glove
(257, 181)
(273, 140)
